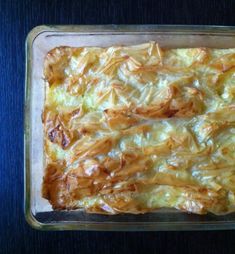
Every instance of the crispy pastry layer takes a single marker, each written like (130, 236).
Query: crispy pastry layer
(135, 128)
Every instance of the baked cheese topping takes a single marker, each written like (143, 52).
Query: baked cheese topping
(130, 129)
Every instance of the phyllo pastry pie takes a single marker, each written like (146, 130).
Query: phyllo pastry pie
(131, 129)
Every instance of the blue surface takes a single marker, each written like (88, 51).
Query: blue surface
(17, 18)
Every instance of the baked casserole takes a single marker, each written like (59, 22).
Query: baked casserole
(131, 129)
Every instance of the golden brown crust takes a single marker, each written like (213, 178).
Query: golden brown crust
(133, 129)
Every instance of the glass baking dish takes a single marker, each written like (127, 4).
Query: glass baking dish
(40, 40)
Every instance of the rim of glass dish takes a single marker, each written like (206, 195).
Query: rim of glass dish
(102, 29)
